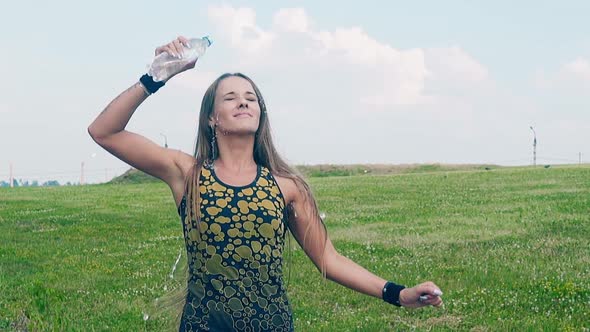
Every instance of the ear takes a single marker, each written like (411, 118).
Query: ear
(211, 121)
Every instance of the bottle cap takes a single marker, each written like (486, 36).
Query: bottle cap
(208, 40)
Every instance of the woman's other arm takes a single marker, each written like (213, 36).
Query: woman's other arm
(340, 268)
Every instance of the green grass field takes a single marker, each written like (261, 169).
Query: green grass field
(509, 247)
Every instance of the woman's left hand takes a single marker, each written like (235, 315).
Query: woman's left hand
(410, 297)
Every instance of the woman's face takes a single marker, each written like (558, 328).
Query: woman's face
(236, 109)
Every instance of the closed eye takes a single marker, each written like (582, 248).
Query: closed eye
(252, 100)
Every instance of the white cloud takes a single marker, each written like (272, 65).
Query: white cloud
(328, 83)
(571, 78)
(291, 19)
(578, 68)
(453, 63)
(370, 73)
(394, 76)
(239, 26)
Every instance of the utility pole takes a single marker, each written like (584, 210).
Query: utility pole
(82, 174)
(534, 147)
(580, 158)
(11, 184)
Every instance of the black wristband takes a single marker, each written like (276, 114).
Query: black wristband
(391, 293)
(149, 83)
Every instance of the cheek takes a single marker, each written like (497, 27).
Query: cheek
(226, 117)
(258, 116)
(256, 108)
(222, 112)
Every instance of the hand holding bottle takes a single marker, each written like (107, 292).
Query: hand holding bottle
(179, 55)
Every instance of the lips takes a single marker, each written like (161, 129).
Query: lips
(241, 114)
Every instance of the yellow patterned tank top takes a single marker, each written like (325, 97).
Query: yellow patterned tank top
(235, 258)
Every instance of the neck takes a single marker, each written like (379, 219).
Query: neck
(236, 153)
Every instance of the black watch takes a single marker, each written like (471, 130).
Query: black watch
(391, 293)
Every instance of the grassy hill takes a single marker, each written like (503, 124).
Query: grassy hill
(133, 175)
(136, 176)
(509, 247)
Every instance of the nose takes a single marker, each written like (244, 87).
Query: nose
(243, 103)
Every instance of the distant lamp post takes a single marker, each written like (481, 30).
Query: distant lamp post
(534, 147)
(165, 140)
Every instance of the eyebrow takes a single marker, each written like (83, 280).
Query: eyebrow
(232, 92)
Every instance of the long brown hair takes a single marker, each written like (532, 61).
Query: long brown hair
(265, 154)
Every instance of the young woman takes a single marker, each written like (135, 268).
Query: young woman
(237, 198)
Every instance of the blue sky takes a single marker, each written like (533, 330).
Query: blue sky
(385, 82)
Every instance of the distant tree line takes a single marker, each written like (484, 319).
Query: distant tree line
(34, 183)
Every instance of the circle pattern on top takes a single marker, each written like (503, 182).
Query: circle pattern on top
(235, 257)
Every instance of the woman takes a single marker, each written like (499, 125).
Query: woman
(236, 198)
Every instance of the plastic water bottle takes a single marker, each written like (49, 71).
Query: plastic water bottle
(165, 65)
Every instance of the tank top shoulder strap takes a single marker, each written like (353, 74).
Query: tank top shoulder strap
(267, 179)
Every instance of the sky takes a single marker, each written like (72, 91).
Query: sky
(367, 82)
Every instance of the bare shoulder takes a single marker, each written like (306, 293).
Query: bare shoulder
(288, 188)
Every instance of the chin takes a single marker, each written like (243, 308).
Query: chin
(243, 131)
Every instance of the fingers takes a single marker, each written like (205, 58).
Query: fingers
(432, 300)
(174, 48)
(429, 288)
(184, 41)
(177, 47)
(437, 302)
(161, 49)
(430, 294)
(168, 48)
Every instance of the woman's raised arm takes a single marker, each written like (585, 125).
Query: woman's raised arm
(108, 130)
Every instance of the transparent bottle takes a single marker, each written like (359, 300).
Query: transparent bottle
(165, 65)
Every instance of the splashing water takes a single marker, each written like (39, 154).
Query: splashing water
(175, 264)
